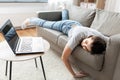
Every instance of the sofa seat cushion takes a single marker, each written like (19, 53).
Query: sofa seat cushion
(94, 61)
(51, 35)
(107, 22)
(62, 40)
(83, 15)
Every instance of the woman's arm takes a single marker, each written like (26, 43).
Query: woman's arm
(65, 57)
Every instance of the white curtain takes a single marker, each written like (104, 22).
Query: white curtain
(59, 4)
(112, 5)
(117, 6)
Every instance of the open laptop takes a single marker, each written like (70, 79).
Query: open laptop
(21, 45)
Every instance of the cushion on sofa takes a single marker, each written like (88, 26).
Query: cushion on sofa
(83, 15)
(94, 61)
(51, 35)
(62, 40)
(107, 22)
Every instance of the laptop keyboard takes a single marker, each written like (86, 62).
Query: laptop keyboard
(26, 45)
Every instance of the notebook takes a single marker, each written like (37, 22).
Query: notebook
(21, 45)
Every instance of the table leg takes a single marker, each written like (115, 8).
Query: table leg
(42, 67)
(10, 74)
(6, 68)
(36, 62)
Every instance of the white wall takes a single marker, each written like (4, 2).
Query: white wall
(18, 12)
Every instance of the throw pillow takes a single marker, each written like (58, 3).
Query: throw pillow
(83, 15)
(107, 22)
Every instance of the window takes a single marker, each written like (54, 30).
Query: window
(23, 1)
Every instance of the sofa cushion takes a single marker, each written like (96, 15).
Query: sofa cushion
(83, 15)
(94, 61)
(51, 35)
(62, 40)
(107, 22)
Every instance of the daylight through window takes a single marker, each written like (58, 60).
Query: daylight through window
(23, 1)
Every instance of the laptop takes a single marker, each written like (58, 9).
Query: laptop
(21, 45)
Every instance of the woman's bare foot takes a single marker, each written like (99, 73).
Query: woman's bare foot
(26, 23)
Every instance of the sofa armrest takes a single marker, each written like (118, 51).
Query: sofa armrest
(111, 55)
(50, 15)
(115, 39)
(113, 44)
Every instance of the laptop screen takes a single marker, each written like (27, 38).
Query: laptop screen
(10, 34)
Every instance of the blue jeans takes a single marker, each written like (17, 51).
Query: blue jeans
(62, 26)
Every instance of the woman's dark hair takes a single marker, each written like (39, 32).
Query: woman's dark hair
(98, 46)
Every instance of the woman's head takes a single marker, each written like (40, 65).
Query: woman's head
(94, 44)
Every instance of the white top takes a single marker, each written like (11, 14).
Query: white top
(7, 54)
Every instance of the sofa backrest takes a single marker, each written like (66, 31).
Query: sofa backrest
(107, 22)
(83, 15)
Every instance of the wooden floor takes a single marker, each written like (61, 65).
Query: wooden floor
(25, 32)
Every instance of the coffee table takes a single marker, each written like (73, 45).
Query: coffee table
(7, 54)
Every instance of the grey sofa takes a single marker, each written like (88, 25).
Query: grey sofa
(100, 67)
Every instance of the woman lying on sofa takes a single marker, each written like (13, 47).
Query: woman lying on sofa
(88, 38)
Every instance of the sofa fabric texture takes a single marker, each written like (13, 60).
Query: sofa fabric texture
(52, 16)
(100, 67)
(82, 15)
(52, 35)
(107, 22)
(93, 61)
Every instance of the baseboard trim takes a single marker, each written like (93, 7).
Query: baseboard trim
(19, 27)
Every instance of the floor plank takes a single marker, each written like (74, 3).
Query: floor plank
(23, 32)
(27, 32)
